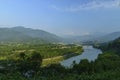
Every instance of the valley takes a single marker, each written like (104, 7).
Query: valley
(59, 39)
(27, 55)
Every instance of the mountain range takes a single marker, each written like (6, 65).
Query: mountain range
(95, 37)
(22, 34)
(109, 37)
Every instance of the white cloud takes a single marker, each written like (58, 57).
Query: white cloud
(94, 4)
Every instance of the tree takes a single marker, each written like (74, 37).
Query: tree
(22, 55)
(29, 65)
(84, 65)
(35, 60)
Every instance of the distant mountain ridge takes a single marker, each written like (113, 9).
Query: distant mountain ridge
(110, 37)
(22, 34)
(95, 37)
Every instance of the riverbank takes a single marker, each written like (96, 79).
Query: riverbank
(58, 59)
(89, 53)
(53, 60)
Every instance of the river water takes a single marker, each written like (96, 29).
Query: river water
(89, 53)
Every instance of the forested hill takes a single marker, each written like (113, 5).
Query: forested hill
(21, 34)
(113, 46)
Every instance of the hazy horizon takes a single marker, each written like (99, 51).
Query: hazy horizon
(62, 17)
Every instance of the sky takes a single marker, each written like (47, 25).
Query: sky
(62, 17)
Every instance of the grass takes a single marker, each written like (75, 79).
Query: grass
(3, 57)
(53, 60)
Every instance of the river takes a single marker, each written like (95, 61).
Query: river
(89, 53)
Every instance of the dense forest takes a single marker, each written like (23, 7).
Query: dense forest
(24, 62)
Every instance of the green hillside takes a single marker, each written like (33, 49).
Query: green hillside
(21, 34)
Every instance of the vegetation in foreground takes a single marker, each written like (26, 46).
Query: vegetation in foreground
(51, 53)
(106, 67)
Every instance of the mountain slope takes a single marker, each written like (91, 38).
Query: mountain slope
(37, 33)
(26, 34)
(109, 37)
